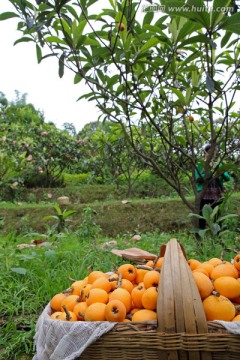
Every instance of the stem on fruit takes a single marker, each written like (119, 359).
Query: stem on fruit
(114, 268)
(144, 267)
(81, 314)
(68, 316)
(80, 296)
(222, 255)
(119, 283)
(68, 291)
(155, 260)
(129, 316)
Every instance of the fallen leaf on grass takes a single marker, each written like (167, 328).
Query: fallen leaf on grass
(125, 201)
(136, 237)
(134, 254)
(33, 243)
(109, 243)
(23, 246)
(37, 241)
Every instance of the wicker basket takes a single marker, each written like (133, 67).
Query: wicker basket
(181, 331)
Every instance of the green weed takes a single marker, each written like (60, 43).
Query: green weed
(88, 228)
(61, 218)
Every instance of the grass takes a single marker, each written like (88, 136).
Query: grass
(31, 276)
(114, 217)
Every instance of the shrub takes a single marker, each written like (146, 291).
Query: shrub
(34, 179)
(78, 179)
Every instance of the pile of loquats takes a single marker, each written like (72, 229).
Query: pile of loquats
(130, 293)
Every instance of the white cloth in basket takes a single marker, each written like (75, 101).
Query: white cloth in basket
(62, 340)
(232, 326)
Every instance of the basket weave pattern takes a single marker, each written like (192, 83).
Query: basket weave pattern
(181, 331)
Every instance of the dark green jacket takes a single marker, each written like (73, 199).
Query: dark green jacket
(200, 173)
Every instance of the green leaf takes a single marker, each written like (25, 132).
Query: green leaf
(8, 15)
(214, 212)
(149, 44)
(39, 53)
(194, 10)
(89, 41)
(120, 18)
(50, 217)
(201, 38)
(190, 59)
(188, 27)
(91, 2)
(144, 95)
(23, 39)
(21, 271)
(188, 96)
(77, 79)
(225, 38)
(26, 257)
(226, 217)
(81, 26)
(172, 26)
(148, 18)
(73, 12)
(215, 228)
(58, 210)
(102, 76)
(69, 213)
(202, 232)
(113, 80)
(68, 22)
(181, 140)
(153, 28)
(179, 94)
(231, 23)
(216, 14)
(195, 78)
(195, 215)
(50, 254)
(61, 65)
(106, 12)
(120, 89)
(207, 211)
(55, 39)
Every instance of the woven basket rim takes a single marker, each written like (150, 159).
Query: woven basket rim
(213, 327)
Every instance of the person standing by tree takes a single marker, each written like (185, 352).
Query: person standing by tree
(211, 174)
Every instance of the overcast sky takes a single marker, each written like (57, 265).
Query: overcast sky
(19, 70)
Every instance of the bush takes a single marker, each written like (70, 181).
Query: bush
(78, 179)
(33, 180)
(147, 185)
(10, 193)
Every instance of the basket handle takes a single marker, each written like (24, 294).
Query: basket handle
(179, 305)
(163, 250)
